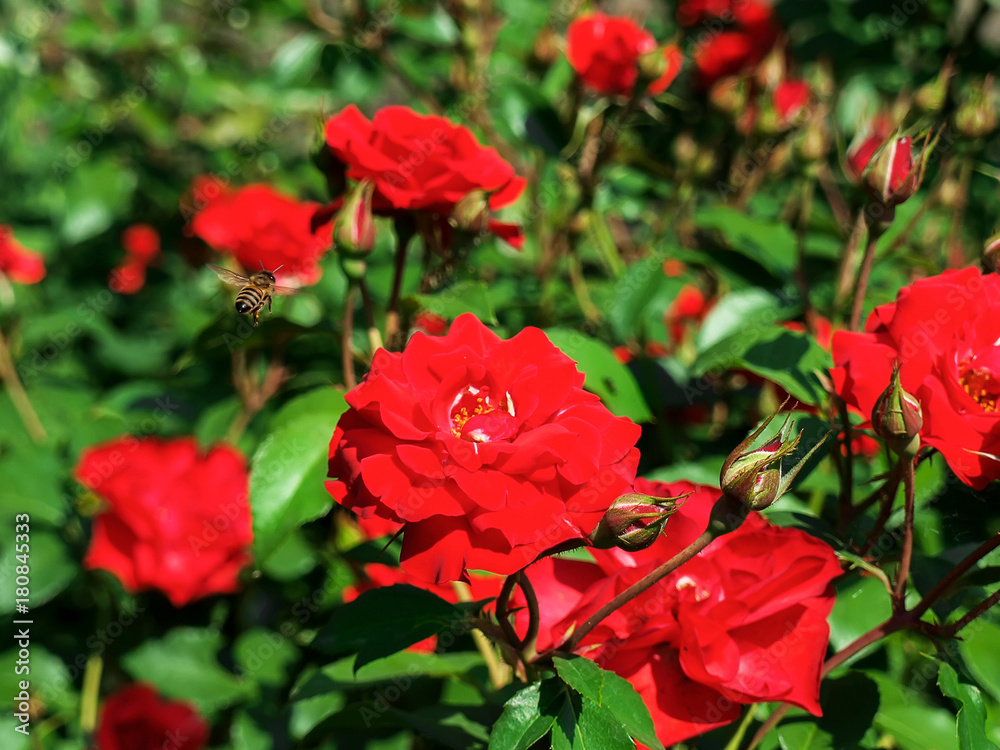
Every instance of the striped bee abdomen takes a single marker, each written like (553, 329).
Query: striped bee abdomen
(248, 299)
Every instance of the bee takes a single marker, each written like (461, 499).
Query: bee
(258, 289)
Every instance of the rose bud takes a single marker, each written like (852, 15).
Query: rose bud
(634, 521)
(472, 213)
(815, 143)
(786, 107)
(897, 418)
(976, 117)
(754, 477)
(891, 175)
(730, 95)
(354, 227)
(931, 97)
(660, 67)
(991, 252)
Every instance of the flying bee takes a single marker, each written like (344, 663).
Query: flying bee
(258, 289)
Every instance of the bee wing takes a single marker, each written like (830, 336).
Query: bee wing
(228, 276)
(286, 291)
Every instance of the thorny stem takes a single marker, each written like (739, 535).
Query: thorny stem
(874, 232)
(846, 273)
(899, 596)
(347, 338)
(885, 510)
(728, 514)
(374, 337)
(404, 233)
(955, 573)
(950, 631)
(888, 487)
(18, 396)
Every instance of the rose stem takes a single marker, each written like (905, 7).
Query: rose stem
(900, 620)
(846, 273)
(253, 397)
(833, 195)
(889, 486)
(741, 730)
(727, 515)
(347, 338)
(956, 257)
(844, 508)
(404, 233)
(18, 395)
(374, 337)
(874, 232)
(531, 636)
(899, 597)
(90, 693)
(500, 673)
(883, 516)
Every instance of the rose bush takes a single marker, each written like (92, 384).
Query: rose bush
(421, 163)
(743, 622)
(177, 519)
(488, 451)
(136, 718)
(605, 52)
(943, 332)
(259, 226)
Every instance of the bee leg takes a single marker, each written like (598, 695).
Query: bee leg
(269, 300)
(256, 315)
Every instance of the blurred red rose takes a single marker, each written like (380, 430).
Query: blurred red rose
(142, 242)
(137, 718)
(422, 163)
(605, 52)
(738, 35)
(18, 263)
(261, 227)
(687, 310)
(488, 451)
(430, 323)
(742, 622)
(790, 100)
(943, 331)
(865, 144)
(128, 277)
(177, 520)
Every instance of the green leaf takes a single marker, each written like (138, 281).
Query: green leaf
(849, 707)
(183, 664)
(611, 692)
(772, 244)
(790, 359)
(637, 301)
(741, 316)
(289, 470)
(585, 725)
(297, 59)
(980, 648)
(971, 720)
(862, 603)
(50, 568)
(385, 620)
(528, 716)
(913, 723)
(605, 375)
(264, 656)
(462, 297)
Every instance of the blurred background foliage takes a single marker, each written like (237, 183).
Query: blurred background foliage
(109, 110)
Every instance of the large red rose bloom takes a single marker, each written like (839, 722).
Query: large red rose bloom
(488, 451)
(177, 520)
(137, 718)
(422, 163)
(742, 622)
(261, 227)
(943, 330)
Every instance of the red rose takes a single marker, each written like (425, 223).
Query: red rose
(261, 227)
(177, 520)
(749, 32)
(864, 146)
(137, 718)
(18, 263)
(430, 323)
(488, 451)
(688, 309)
(943, 332)
(142, 242)
(129, 277)
(742, 622)
(605, 52)
(422, 163)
